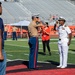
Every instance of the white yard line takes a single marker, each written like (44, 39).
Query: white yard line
(39, 48)
(27, 39)
(50, 43)
(8, 60)
(27, 46)
(9, 55)
(71, 52)
(28, 60)
(26, 54)
(17, 40)
(16, 45)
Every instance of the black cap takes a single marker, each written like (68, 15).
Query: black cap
(46, 23)
(0, 2)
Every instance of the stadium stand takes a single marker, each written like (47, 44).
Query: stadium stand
(23, 9)
(47, 7)
(72, 1)
(14, 12)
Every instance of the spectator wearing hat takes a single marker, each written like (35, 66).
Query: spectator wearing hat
(46, 38)
(65, 35)
(2, 51)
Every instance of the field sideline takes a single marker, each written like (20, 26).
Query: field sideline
(20, 50)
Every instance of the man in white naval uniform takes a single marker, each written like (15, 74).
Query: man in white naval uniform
(65, 35)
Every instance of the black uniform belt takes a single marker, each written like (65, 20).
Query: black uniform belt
(59, 39)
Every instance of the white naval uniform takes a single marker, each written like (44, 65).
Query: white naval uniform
(63, 32)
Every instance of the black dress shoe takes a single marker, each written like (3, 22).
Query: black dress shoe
(44, 54)
(33, 68)
(50, 53)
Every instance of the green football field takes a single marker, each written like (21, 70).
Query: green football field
(20, 50)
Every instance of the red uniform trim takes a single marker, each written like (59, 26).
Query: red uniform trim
(35, 53)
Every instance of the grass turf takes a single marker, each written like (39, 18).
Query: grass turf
(20, 50)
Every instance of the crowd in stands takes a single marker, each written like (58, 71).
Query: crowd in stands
(54, 17)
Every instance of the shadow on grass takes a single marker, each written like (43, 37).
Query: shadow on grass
(53, 62)
(72, 50)
(41, 53)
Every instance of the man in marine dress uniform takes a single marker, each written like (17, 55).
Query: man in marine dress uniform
(33, 42)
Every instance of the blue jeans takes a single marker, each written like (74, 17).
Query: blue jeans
(5, 35)
(3, 64)
(14, 36)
